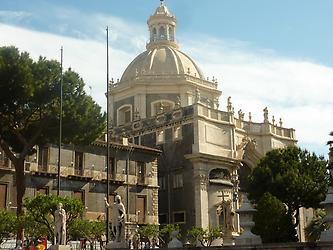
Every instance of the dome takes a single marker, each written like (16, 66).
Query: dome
(161, 60)
(163, 10)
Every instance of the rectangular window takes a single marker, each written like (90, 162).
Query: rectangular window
(162, 219)
(78, 167)
(162, 182)
(177, 180)
(179, 217)
(160, 137)
(3, 195)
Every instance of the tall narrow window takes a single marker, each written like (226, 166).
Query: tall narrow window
(177, 133)
(43, 158)
(78, 167)
(177, 180)
(141, 209)
(162, 33)
(141, 171)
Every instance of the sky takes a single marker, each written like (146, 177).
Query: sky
(264, 53)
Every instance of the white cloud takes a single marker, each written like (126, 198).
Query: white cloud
(297, 90)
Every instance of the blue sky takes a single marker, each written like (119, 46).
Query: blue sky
(266, 53)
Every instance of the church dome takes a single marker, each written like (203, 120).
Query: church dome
(161, 60)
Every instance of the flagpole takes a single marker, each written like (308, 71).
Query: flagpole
(107, 137)
(60, 123)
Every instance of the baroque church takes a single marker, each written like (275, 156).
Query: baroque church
(164, 101)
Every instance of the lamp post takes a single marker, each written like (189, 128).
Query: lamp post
(60, 125)
(107, 136)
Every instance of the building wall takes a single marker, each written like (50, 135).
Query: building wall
(91, 181)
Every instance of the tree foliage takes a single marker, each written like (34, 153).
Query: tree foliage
(294, 176)
(90, 230)
(8, 225)
(204, 236)
(272, 222)
(30, 105)
(41, 210)
(151, 232)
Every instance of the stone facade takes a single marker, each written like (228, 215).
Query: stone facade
(206, 152)
(133, 175)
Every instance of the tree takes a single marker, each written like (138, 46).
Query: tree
(8, 225)
(30, 105)
(41, 210)
(204, 236)
(294, 176)
(91, 230)
(151, 232)
(272, 222)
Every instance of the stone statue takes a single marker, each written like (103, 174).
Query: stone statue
(175, 243)
(60, 226)
(197, 96)
(118, 218)
(265, 115)
(229, 105)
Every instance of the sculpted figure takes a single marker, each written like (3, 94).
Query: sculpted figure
(118, 218)
(60, 225)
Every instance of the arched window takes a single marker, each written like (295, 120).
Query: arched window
(161, 106)
(124, 114)
(171, 34)
(154, 34)
(162, 33)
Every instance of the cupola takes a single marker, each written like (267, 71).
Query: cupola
(162, 28)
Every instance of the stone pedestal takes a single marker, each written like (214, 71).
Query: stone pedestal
(60, 247)
(246, 222)
(115, 244)
(328, 206)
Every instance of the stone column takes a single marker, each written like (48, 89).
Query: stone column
(201, 201)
